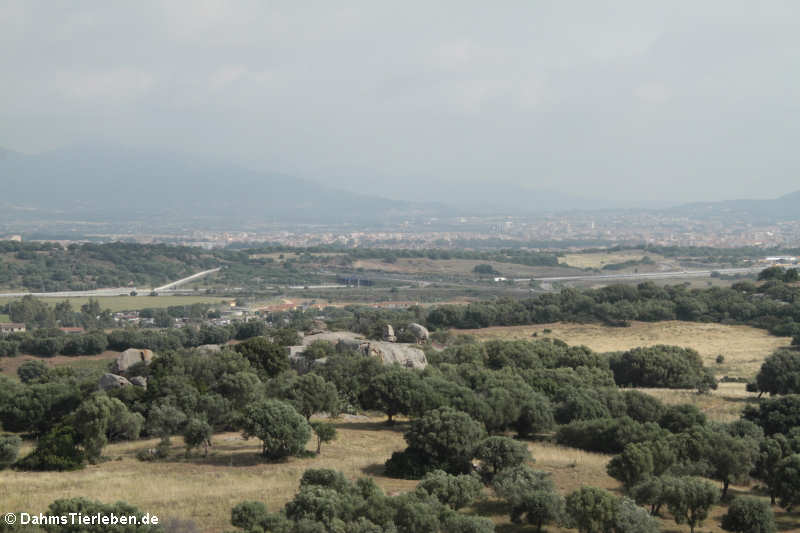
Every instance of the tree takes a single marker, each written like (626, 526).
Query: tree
(56, 450)
(447, 436)
(632, 466)
(536, 415)
(749, 515)
(9, 448)
(33, 371)
(325, 432)
(197, 432)
(281, 429)
(454, 491)
(780, 373)
(682, 417)
(91, 423)
(788, 482)
(775, 415)
(268, 358)
(530, 494)
(164, 420)
(732, 459)
(689, 499)
(394, 391)
(771, 451)
(633, 519)
(591, 510)
(311, 394)
(499, 453)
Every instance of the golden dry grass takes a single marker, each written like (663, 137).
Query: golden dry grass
(743, 347)
(458, 267)
(205, 489)
(722, 405)
(601, 259)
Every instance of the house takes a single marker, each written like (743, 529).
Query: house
(7, 328)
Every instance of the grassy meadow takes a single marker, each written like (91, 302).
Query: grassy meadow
(204, 489)
(743, 347)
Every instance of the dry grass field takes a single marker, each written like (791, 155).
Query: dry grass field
(601, 259)
(722, 405)
(458, 267)
(204, 489)
(743, 347)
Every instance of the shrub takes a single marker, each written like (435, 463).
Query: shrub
(454, 491)
(9, 448)
(749, 515)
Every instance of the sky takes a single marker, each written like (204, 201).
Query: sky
(640, 101)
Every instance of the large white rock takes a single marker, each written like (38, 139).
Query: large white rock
(132, 356)
(113, 381)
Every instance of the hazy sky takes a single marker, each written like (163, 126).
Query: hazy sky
(642, 99)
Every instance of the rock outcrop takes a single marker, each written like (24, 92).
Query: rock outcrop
(132, 356)
(419, 331)
(388, 333)
(209, 348)
(408, 355)
(139, 381)
(113, 381)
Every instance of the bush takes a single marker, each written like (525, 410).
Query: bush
(776, 415)
(749, 515)
(56, 450)
(441, 439)
(607, 435)
(454, 491)
(530, 494)
(661, 366)
(591, 510)
(9, 448)
(780, 373)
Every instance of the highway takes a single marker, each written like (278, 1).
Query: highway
(650, 275)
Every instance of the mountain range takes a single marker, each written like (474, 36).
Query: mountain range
(101, 183)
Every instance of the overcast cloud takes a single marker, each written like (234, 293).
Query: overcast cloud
(645, 100)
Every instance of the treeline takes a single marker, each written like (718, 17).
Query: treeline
(774, 306)
(48, 342)
(46, 267)
(35, 313)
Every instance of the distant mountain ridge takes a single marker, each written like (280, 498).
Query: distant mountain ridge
(127, 183)
(783, 208)
(102, 183)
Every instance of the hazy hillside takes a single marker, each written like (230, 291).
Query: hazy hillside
(786, 207)
(98, 183)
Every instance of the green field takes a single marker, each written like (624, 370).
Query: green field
(130, 303)
(5, 318)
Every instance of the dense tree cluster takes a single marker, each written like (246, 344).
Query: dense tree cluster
(773, 305)
(327, 502)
